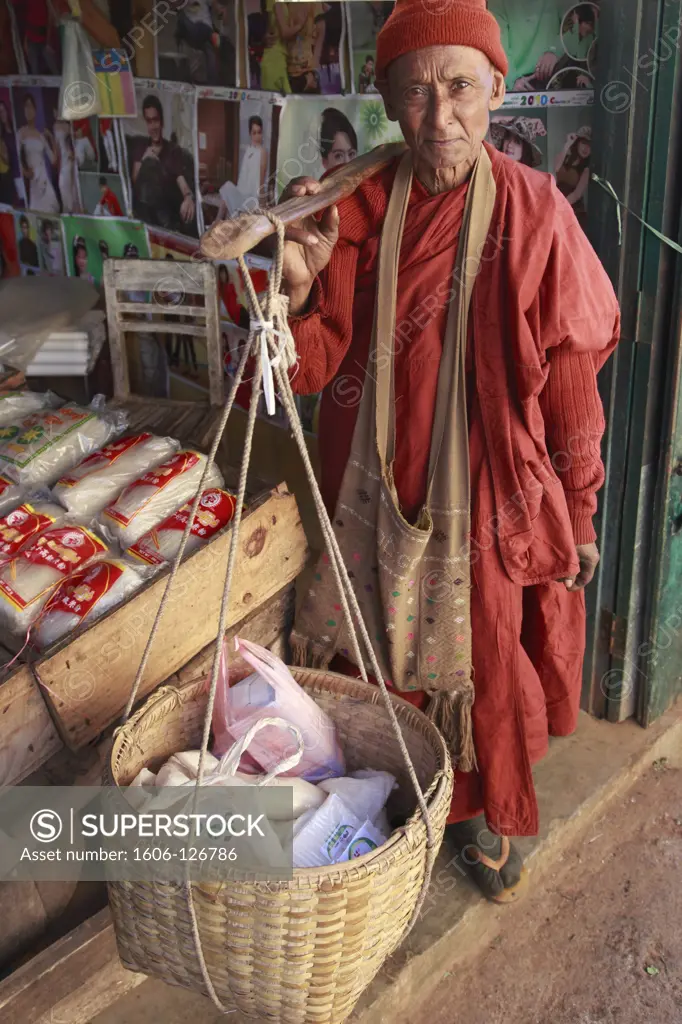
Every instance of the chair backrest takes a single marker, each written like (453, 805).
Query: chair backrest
(156, 297)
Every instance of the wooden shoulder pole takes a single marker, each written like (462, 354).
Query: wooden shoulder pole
(227, 239)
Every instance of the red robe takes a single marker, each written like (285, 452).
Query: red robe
(543, 320)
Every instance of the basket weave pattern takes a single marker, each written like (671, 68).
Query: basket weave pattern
(298, 951)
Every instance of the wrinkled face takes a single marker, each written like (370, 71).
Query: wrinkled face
(584, 149)
(512, 146)
(153, 122)
(256, 135)
(442, 97)
(342, 152)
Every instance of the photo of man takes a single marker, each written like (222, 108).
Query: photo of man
(37, 32)
(108, 205)
(27, 248)
(161, 168)
(365, 20)
(235, 142)
(198, 44)
(51, 254)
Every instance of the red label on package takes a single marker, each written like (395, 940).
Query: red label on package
(108, 454)
(63, 548)
(80, 593)
(215, 511)
(156, 479)
(19, 526)
(4, 484)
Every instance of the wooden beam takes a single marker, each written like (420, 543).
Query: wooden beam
(72, 981)
(88, 680)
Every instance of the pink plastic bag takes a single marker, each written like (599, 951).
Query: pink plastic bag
(270, 691)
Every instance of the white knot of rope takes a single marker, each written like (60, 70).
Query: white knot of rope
(269, 322)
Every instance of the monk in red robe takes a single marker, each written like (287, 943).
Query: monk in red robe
(542, 320)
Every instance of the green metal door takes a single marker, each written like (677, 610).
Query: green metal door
(634, 663)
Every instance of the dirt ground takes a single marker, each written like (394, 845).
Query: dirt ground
(599, 943)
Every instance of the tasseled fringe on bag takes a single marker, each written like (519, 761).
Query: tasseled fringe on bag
(450, 712)
(307, 654)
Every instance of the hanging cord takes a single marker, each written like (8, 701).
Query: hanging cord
(608, 187)
(345, 588)
(271, 344)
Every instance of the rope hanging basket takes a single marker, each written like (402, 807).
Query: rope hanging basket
(298, 951)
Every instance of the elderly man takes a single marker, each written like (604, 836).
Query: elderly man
(456, 316)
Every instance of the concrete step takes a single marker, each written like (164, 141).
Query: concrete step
(579, 777)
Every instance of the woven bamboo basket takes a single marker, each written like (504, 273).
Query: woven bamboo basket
(299, 951)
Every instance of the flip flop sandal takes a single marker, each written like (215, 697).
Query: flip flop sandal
(501, 879)
(488, 873)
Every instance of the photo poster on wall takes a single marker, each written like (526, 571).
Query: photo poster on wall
(197, 42)
(115, 83)
(8, 56)
(550, 45)
(108, 24)
(160, 162)
(318, 133)
(554, 139)
(48, 178)
(365, 21)
(101, 167)
(236, 151)
(295, 47)
(9, 253)
(89, 241)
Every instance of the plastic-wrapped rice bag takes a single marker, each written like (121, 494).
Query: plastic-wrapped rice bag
(11, 495)
(15, 405)
(161, 544)
(42, 447)
(99, 478)
(156, 495)
(20, 527)
(84, 597)
(28, 579)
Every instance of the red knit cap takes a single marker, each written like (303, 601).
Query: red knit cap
(416, 24)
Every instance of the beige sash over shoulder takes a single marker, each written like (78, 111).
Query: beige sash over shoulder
(412, 582)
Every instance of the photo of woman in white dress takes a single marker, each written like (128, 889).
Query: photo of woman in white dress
(38, 156)
(68, 171)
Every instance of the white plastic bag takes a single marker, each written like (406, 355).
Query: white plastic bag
(43, 446)
(365, 792)
(28, 579)
(100, 478)
(15, 405)
(161, 544)
(157, 494)
(273, 692)
(326, 835)
(20, 527)
(84, 597)
(79, 94)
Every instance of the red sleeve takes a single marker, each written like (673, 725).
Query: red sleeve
(323, 334)
(580, 326)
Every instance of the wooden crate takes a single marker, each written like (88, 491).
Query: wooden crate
(87, 679)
